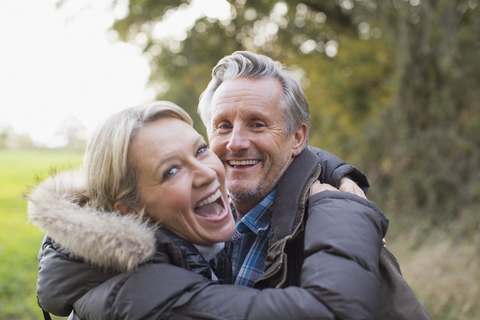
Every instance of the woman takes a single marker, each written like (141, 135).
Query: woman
(149, 207)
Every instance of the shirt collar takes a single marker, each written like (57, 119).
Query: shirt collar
(258, 219)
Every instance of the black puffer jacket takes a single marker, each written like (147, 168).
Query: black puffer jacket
(108, 267)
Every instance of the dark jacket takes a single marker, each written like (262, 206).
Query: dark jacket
(96, 271)
(286, 255)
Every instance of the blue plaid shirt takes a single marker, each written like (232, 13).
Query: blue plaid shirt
(249, 244)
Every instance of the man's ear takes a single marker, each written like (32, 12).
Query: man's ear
(121, 208)
(299, 137)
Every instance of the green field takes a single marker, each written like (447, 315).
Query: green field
(20, 242)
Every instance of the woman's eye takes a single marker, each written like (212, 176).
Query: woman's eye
(202, 149)
(170, 172)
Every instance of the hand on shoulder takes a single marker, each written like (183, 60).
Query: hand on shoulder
(319, 187)
(347, 185)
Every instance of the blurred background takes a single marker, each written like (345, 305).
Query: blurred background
(393, 88)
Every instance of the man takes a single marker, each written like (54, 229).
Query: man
(257, 123)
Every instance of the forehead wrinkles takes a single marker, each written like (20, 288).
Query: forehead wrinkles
(243, 100)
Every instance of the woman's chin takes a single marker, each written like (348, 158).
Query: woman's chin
(220, 232)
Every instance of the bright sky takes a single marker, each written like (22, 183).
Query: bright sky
(58, 64)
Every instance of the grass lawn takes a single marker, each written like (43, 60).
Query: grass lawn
(19, 241)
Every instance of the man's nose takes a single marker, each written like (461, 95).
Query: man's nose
(238, 140)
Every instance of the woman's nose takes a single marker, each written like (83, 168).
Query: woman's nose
(204, 174)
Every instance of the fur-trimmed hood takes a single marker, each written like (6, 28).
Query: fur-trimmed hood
(106, 239)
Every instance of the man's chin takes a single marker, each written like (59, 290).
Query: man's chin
(242, 194)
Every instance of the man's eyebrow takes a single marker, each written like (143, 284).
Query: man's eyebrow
(253, 113)
(221, 115)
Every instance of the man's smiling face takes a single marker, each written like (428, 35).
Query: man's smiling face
(248, 134)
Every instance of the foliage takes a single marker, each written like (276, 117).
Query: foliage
(19, 169)
(427, 145)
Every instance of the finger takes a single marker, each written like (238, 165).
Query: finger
(347, 185)
(359, 192)
(320, 187)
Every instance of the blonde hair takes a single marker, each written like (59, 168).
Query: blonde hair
(110, 175)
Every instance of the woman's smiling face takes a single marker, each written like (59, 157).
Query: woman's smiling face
(181, 182)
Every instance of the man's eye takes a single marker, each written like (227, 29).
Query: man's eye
(258, 125)
(224, 126)
(170, 172)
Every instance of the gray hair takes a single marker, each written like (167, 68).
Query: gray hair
(110, 175)
(294, 106)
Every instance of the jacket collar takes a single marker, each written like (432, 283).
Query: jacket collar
(291, 194)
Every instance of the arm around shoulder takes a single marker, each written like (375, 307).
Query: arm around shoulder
(165, 291)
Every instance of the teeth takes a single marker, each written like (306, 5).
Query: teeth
(210, 199)
(243, 162)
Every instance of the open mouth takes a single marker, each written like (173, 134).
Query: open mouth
(242, 163)
(211, 207)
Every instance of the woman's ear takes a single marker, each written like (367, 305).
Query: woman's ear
(299, 137)
(121, 208)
